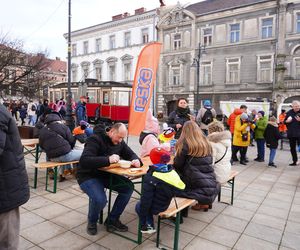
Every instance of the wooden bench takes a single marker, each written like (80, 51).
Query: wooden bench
(49, 165)
(230, 182)
(176, 206)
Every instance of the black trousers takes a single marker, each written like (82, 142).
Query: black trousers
(236, 149)
(294, 141)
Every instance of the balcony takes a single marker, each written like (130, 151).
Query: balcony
(292, 84)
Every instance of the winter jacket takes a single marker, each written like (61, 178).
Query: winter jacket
(282, 127)
(240, 129)
(200, 116)
(81, 114)
(231, 119)
(29, 109)
(221, 145)
(23, 112)
(260, 127)
(157, 193)
(198, 175)
(178, 116)
(97, 150)
(14, 189)
(272, 135)
(55, 138)
(294, 126)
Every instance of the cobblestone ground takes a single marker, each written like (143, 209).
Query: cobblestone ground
(265, 214)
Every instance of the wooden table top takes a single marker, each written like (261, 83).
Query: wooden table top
(29, 142)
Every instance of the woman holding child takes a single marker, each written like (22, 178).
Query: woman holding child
(193, 162)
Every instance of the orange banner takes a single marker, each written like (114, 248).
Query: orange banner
(142, 89)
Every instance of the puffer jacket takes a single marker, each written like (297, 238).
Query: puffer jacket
(272, 135)
(14, 189)
(221, 145)
(199, 177)
(55, 138)
(239, 129)
(231, 119)
(178, 116)
(260, 127)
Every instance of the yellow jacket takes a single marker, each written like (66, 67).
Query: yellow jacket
(240, 129)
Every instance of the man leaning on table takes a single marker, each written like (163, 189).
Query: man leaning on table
(101, 149)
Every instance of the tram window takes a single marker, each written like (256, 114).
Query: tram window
(105, 97)
(123, 98)
(92, 96)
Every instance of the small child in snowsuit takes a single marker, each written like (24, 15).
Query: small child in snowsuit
(159, 187)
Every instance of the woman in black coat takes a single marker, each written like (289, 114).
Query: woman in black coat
(193, 162)
(178, 117)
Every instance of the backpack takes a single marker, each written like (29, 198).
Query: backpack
(207, 117)
(33, 107)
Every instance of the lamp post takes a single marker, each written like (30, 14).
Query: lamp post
(196, 63)
(69, 117)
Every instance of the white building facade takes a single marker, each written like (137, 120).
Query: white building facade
(109, 51)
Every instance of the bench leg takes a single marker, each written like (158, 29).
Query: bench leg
(101, 217)
(219, 195)
(176, 236)
(232, 190)
(35, 177)
(158, 232)
(54, 181)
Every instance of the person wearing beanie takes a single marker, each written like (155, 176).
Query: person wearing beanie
(148, 137)
(272, 136)
(206, 115)
(241, 137)
(220, 141)
(193, 162)
(159, 187)
(261, 124)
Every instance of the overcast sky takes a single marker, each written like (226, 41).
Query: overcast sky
(42, 23)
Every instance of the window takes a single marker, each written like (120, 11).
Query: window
(234, 33)
(98, 71)
(112, 42)
(206, 73)
(145, 35)
(298, 23)
(85, 73)
(265, 68)
(85, 47)
(74, 50)
(112, 72)
(233, 70)
(207, 37)
(297, 68)
(98, 45)
(127, 39)
(176, 76)
(127, 71)
(266, 28)
(105, 97)
(177, 41)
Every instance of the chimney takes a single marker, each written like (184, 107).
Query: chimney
(139, 11)
(126, 14)
(117, 17)
(57, 58)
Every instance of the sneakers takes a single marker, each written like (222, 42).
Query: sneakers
(115, 225)
(272, 165)
(61, 178)
(243, 162)
(148, 229)
(91, 228)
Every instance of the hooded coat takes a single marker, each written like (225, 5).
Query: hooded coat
(221, 146)
(239, 129)
(231, 119)
(272, 135)
(260, 127)
(198, 175)
(14, 189)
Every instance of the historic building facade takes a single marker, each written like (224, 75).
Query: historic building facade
(109, 51)
(244, 48)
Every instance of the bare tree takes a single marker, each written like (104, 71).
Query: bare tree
(20, 72)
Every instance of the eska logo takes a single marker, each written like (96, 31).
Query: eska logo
(143, 89)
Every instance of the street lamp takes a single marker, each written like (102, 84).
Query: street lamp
(196, 63)
(69, 117)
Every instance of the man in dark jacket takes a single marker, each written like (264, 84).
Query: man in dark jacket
(292, 121)
(102, 149)
(81, 114)
(14, 189)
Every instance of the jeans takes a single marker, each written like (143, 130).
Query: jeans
(73, 155)
(31, 119)
(293, 143)
(94, 188)
(260, 149)
(148, 220)
(272, 155)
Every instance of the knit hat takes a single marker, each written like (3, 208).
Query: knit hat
(273, 119)
(244, 116)
(207, 104)
(151, 124)
(261, 112)
(83, 123)
(215, 126)
(167, 134)
(159, 156)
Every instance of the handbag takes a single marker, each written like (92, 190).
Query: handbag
(245, 137)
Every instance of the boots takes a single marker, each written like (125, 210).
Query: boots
(199, 206)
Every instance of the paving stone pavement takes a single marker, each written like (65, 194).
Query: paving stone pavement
(265, 214)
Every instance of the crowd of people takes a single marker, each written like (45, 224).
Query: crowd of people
(191, 157)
